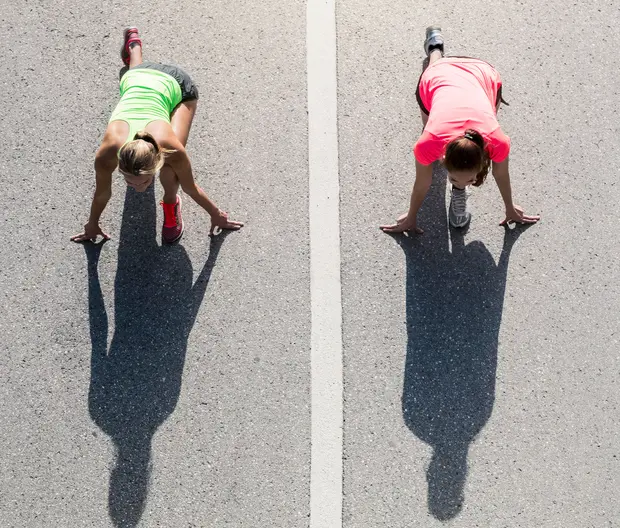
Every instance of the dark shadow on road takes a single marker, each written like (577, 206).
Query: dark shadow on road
(135, 383)
(454, 309)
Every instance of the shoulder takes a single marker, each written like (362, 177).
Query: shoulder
(112, 141)
(428, 148)
(498, 145)
(114, 137)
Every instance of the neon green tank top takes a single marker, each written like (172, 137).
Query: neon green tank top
(146, 95)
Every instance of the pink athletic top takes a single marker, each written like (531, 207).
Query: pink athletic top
(460, 94)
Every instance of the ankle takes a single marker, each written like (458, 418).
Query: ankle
(435, 53)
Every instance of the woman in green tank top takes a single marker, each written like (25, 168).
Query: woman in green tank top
(145, 138)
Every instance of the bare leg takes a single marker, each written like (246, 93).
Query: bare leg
(135, 54)
(181, 122)
(434, 56)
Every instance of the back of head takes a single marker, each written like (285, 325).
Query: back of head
(142, 156)
(467, 153)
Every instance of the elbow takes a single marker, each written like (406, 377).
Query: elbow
(103, 196)
(423, 183)
(192, 190)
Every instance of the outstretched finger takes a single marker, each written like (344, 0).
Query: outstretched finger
(391, 228)
(530, 219)
(234, 225)
(397, 228)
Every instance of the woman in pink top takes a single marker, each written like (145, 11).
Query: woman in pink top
(459, 98)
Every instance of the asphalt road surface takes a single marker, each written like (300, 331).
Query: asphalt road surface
(170, 386)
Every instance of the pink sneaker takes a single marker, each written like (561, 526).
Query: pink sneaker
(173, 227)
(130, 36)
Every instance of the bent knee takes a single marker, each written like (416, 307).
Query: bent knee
(167, 172)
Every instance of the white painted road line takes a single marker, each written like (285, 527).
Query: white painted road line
(326, 334)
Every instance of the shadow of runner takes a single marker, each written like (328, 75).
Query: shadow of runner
(454, 310)
(135, 385)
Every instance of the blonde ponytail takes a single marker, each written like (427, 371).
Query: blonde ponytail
(142, 156)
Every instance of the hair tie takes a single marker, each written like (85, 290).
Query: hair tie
(467, 135)
(148, 138)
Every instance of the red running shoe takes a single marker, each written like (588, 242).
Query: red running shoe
(130, 36)
(173, 227)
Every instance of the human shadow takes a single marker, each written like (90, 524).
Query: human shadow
(135, 383)
(454, 310)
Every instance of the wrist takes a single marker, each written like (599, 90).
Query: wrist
(214, 212)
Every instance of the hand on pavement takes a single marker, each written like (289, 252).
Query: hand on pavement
(91, 231)
(403, 223)
(516, 214)
(221, 221)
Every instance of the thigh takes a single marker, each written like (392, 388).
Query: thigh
(181, 119)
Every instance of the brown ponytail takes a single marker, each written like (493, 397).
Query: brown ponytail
(142, 156)
(468, 153)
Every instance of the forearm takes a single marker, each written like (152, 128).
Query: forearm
(105, 163)
(201, 198)
(100, 200)
(502, 178)
(503, 184)
(418, 193)
(183, 169)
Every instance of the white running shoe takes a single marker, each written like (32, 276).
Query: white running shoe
(458, 214)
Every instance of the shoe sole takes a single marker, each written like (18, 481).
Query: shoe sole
(177, 238)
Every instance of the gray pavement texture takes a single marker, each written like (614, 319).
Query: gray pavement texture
(146, 385)
(482, 367)
(170, 386)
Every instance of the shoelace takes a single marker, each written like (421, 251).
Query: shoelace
(459, 201)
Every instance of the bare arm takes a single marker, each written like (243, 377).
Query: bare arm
(181, 165)
(502, 178)
(105, 163)
(407, 221)
(104, 167)
(514, 213)
(423, 180)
